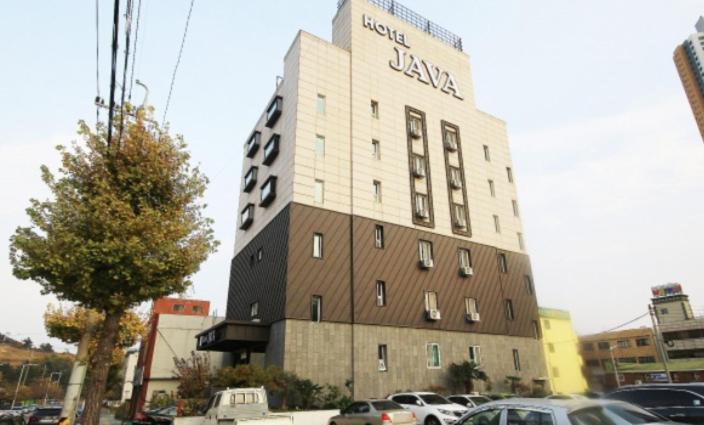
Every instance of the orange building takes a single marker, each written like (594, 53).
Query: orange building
(689, 60)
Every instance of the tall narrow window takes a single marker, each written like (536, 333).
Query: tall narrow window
(536, 330)
(433, 355)
(509, 174)
(377, 191)
(459, 219)
(497, 224)
(450, 140)
(425, 253)
(475, 354)
(379, 236)
(431, 301)
(382, 356)
(516, 360)
(492, 189)
(465, 262)
(487, 154)
(503, 262)
(320, 104)
(319, 191)
(421, 205)
(416, 127)
(375, 109)
(254, 309)
(376, 149)
(380, 293)
(528, 283)
(471, 306)
(510, 315)
(317, 245)
(319, 146)
(521, 243)
(316, 308)
(514, 204)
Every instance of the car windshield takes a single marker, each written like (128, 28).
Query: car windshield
(612, 414)
(479, 400)
(386, 405)
(48, 412)
(434, 399)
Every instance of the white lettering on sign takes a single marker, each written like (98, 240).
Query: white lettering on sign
(422, 70)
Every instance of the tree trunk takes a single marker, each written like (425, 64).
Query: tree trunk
(102, 358)
(469, 386)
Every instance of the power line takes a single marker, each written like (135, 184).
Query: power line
(128, 30)
(97, 61)
(178, 62)
(134, 50)
(111, 106)
(627, 323)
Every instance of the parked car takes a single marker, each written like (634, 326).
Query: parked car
(469, 400)
(45, 416)
(161, 416)
(678, 402)
(540, 411)
(430, 408)
(374, 412)
(8, 417)
(566, 397)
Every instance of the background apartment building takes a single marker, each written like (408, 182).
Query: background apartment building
(561, 347)
(380, 236)
(689, 59)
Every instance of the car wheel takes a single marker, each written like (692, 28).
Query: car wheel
(432, 420)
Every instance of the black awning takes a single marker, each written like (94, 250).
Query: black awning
(233, 335)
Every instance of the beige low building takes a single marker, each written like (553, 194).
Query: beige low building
(380, 237)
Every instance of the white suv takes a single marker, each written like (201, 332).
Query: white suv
(430, 408)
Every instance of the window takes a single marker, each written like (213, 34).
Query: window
(475, 354)
(529, 417)
(250, 148)
(536, 330)
(555, 372)
(587, 346)
(503, 263)
(422, 206)
(415, 127)
(376, 149)
(254, 309)
(471, 306)
(492, 189)
(316, 308)
(642, 342)
(382, 356)
(250, 179)
(274, 111)
(319, 191)
(627, 360)
(509, 174)
(271, 149)
(379, 236)
(497, 224)
(418, 166)
(528, 283)
(375, 109)
(464, 257)
(431, 301)
(592, 363)
(509, 310)
(377, 191)
(380, 293)
(179, 307)
(623, 343)
(247, 216)
(516, 360)
(546, 324)
(319, 146)
(514, 204)
(268, 191)
(485, 417)
(432, 350)
(260, 254)
(487, 155)
(450, 140)
(197, 309)
(317, 245)
(664, 311)
(551, 347)
(425, 253)
(455, 178)
(320, 104)
(603, 345)
(646, 359)
(521, 242)
(459, 219)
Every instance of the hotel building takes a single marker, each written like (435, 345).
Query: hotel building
(689, 59)
(379, 235)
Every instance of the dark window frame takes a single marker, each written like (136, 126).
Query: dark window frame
(247, 186)
(245, 224)
(251, 146)
(266, 201)
(272, 116)
(271, 156)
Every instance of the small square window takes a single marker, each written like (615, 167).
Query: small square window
(377, 191)
(492, 189)
(433, 355)
(319, 191)
(382, 356)
(197, 309)
(379, 236)
(319, 146)
(376, 149)
(274, 111)
(551, 347)
(179, 307)
(497, 224)
(252, 145)
(250, 179)
(317, 245)
(487, 154)
(375, 109)
(380, 293)
(475, 354)
(268, 191)
(320, 104)
(316, 308)
(271, 149)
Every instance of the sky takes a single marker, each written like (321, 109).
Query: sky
(608, 161)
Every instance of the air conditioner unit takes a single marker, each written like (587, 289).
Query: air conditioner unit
(426, 263)
(433, 314)
(421, 213)
(472, 317)
(450, 145)
(455, 183)
(418, 168)
(460, 223)
(382, 364)
(415, 129)
(466, 271)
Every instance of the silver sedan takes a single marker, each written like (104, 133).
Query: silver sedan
(374, 412)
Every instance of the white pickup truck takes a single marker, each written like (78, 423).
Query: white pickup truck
(237, 406)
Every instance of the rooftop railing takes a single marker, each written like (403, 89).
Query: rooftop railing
(402, 12)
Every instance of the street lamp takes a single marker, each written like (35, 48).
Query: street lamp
(613, 363)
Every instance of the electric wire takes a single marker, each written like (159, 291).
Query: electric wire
(113, 72)
(626, 323)
(128, 30)
(134, 49)
(178, 62)
(97, 62)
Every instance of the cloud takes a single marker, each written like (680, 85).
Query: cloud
(613, 205)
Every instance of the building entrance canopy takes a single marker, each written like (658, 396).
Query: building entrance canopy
(234, 335)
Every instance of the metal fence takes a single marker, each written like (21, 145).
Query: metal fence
(397, 9)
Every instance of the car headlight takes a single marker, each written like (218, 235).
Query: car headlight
(446, 412)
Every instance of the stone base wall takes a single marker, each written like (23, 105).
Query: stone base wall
(322, 352)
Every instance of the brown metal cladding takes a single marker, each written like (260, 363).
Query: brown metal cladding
(694, 92)
(329, 276)
(428, 185)
(446, 125)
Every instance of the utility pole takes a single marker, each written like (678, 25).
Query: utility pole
(659, 343)
(78, 372)
(613, 363)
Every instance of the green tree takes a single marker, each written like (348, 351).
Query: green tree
(124, 225)
(464, 374)
(46, 348)
(193, 374)
(27, 343)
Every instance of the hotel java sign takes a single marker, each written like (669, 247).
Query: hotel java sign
(410, 64)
